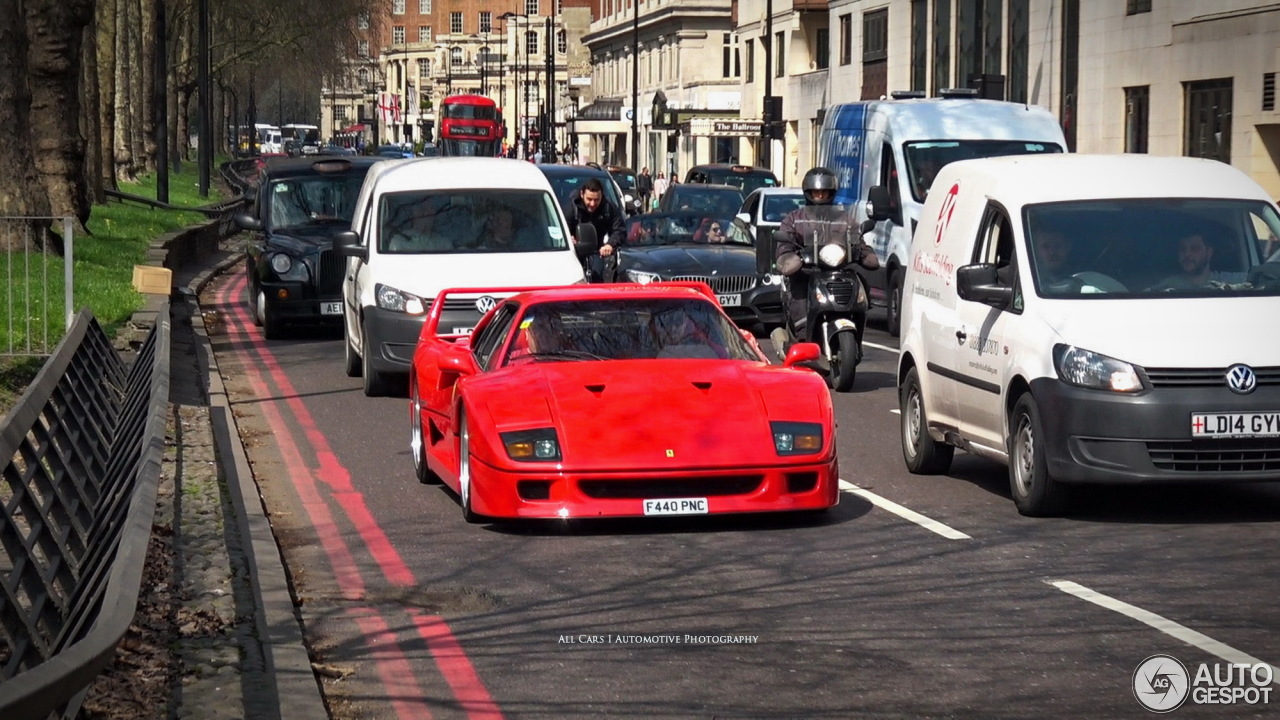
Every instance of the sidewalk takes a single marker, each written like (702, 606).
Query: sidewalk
(230, 619)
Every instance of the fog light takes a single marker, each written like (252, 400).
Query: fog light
(282, 293)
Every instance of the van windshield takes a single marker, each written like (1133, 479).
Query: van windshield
(1154, 248)
(469, 221)
(925, 159)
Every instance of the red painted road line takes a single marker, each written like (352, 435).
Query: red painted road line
(329, 470)
(456, 668)
(406, 696)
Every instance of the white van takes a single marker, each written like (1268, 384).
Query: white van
(1094, 319)
(424, 225)
(900, 144)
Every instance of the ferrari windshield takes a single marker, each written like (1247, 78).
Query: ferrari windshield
(1154, 248)
(631, 329)
(676, 228)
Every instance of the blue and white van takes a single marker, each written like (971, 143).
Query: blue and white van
(900, 144)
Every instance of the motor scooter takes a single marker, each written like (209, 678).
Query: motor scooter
(836, 301)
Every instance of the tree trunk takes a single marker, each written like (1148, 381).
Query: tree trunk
(147, 60)
(122, 148)
(106, 165)
(89, 112)
(55, 29)
(21, 194)
(137, 90)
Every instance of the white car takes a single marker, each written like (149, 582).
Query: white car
(1093, 319)
(764, 209)
(423, 225)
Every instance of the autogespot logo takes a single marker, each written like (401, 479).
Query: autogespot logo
(1161, 683)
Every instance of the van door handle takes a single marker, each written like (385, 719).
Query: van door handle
(961, 335)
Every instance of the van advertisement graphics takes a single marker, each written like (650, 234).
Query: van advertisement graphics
(841, 150)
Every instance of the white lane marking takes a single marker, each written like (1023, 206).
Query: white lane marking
(1163, 624)
(878, 346)
(904, 513)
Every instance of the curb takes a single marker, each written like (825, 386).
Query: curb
(278, 626)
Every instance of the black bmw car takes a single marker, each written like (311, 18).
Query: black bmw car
(701, 247)
(294, 275)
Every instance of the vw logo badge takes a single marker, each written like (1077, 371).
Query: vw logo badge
(485, 303)
(1241, 379)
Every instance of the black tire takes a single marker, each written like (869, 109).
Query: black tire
(922, 454)
(464, 471)
(418, 439)
(351, 360)
(1034, 491)
(251, 299)
(271, 327)
(893, 311)
(844, 366)
(376, 384)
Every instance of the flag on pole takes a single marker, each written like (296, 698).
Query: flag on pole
(411, 105)
(395, 107)
(384, 108)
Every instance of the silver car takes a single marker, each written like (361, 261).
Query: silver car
(764, 208)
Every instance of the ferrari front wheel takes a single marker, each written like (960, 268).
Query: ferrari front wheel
(418, 440)
(464, 470)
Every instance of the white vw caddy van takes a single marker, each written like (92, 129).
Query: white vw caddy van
(1093, 319)
(424, 225)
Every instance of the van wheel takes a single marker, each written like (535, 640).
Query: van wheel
(894, 308)
(351, 361)
(375, 383)
(1034, 492)
(922, 454)
(844, 366)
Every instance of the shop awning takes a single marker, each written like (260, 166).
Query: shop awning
(354, 128)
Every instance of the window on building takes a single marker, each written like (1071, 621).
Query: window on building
(455, 56)
(1069, 87)
(362, 21)
(1208, 119)
(1135, 7)
(1268, 92)
(1137, 107)
(486, 22)
(424, 68)
(751, 61)
(455, 23)
(530, 7)
(875, 53)
(846, 39)
(530, 43)
(362, 48)
(1019, 31)
(397, 7)
(730, 62)
(363, 75)
(340, 113)
(822, 53)
(779, 54)
(562, 42)
(424, 34)
(941, 44)
(919, 45)
(397, 35)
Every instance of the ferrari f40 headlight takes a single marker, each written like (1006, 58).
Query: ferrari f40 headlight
(389, 298)
(1088, 369)
(538, 445)
(796, 438)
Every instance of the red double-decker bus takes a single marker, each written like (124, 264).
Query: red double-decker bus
(470, 125)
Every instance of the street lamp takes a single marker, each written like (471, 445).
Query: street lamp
(635, 81)
(516, 72)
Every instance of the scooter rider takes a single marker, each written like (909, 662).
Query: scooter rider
(817, 222)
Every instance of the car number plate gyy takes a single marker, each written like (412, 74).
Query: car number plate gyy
(730, 300)
(676, 506)
(331, 308)
(1235, 425)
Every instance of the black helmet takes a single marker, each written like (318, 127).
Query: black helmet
(819, 178)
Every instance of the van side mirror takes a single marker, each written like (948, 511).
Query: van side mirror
(588, 243)
(878, 203)
(245, 221)
(347, 244)
(867, 226)
(980, 282)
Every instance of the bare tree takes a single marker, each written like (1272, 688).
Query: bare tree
(105, 34)
(18, 178)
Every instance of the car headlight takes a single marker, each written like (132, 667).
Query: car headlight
(1088, 369)
(642, 277)
(389, 298)
(771, 279)
(796, 438)
(832, 255)
(539, 445)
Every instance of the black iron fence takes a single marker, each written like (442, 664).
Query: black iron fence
(77, 498)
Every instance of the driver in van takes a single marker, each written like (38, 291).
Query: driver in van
(1195, 265)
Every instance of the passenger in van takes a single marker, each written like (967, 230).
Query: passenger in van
(1195, 264)
(509, 234)
(421, 233)
(1052, 251)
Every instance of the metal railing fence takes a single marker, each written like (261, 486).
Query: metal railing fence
(32, 285)
(83, 447)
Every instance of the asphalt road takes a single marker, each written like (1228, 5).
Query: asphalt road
(917, 597)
